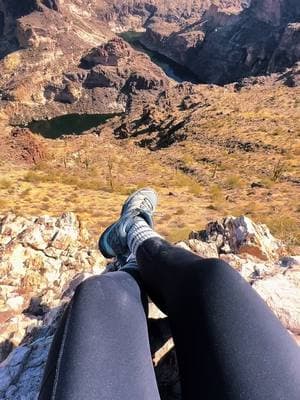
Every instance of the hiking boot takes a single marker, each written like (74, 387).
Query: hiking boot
(113, 241)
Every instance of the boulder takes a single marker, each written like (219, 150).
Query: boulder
(108, 54)
(205, 250)
(241, 236)
(282, 294)
(70, 94)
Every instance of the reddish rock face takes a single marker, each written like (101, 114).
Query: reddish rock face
(23, 147)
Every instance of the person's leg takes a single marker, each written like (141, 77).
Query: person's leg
(101, 350)
(228, 342)
(230, 345)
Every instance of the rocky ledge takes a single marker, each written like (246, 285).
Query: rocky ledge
(43, 259)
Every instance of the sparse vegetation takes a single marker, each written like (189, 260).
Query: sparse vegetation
(217, 194)
(278, 170)
(233, 182)
(235, 148)
(12, 61)
(285, 228)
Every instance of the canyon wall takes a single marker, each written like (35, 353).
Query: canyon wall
(226, 44)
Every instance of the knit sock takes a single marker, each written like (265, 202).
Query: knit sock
(138, 233)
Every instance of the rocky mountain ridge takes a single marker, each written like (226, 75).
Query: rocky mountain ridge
(43, 259)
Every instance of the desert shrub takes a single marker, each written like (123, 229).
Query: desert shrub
(195, 188)
(12, 61)
(182, 180)
(278, 170)
(233, 182)
(32, 177)
(216, 194)
(267, 182)
(37, 177)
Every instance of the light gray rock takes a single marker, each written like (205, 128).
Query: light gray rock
(39, 257)
(241, 236)
(282, 294)
(205, 250)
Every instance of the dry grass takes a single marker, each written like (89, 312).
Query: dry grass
(285, 227)
(12, 61)
(5, 184)
(233, 182)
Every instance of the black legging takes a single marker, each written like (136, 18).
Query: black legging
(229, 344)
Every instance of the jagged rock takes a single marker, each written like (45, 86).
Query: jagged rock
(108, 54)
(288, 51)
(69, 94)
(241, 236)
(251, 268)
(39, 257)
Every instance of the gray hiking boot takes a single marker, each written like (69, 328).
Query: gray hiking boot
(113, 242)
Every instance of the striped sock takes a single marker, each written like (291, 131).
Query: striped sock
(138, 233)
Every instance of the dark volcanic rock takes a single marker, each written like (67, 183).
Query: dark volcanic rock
(52, 4)
(19, 8)
(288, 51)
